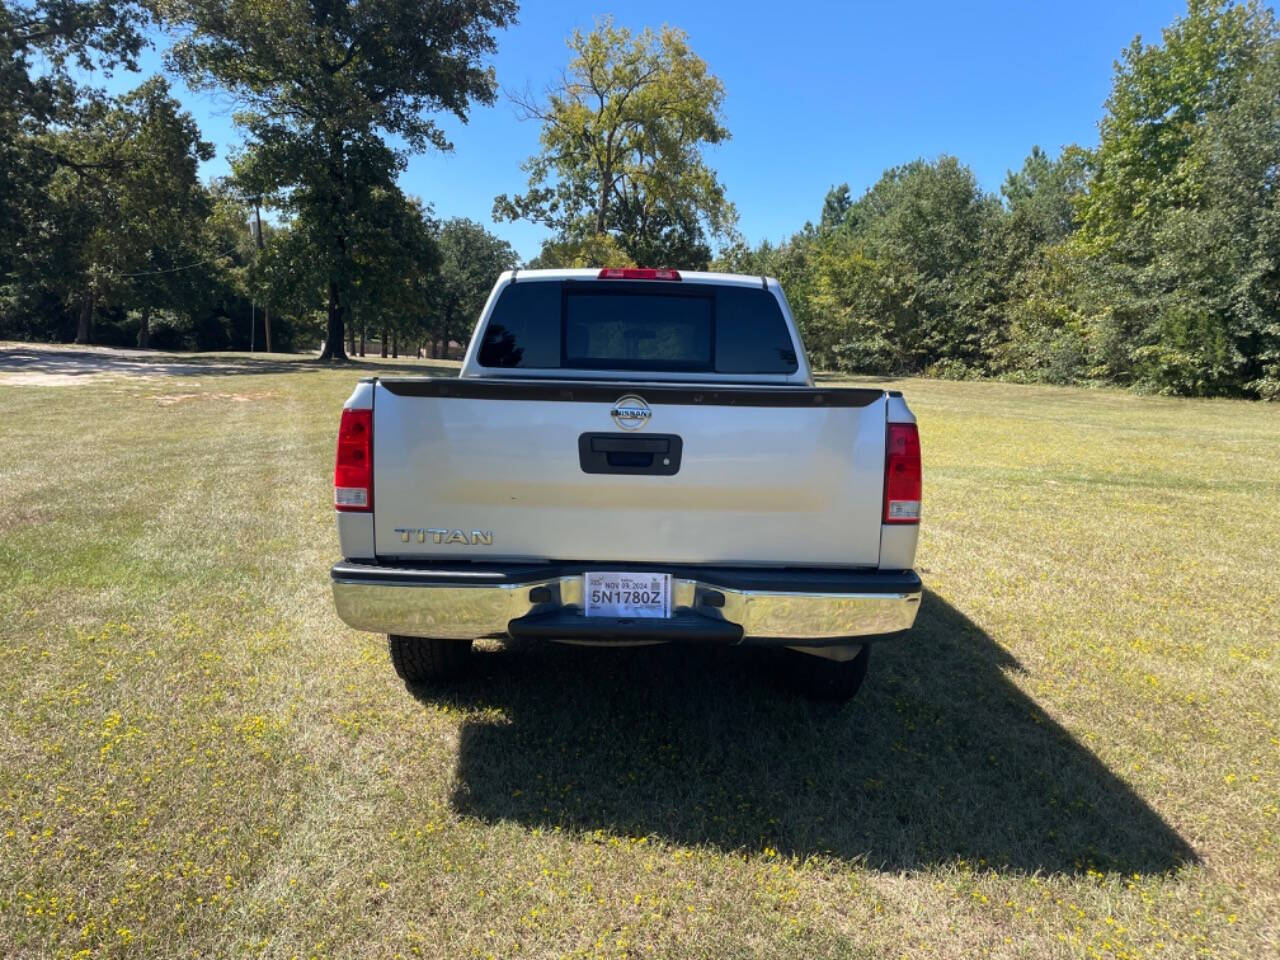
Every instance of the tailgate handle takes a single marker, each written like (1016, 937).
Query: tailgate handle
(610, 444)
(657, 454)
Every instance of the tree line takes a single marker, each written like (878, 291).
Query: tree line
(1150, 260)
(108, 234)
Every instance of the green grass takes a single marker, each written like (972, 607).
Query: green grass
(1076, 753)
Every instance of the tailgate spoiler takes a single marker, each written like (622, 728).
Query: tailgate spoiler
(587, 391)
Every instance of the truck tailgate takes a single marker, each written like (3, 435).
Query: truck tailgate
(495, 470)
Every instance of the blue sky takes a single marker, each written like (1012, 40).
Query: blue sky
(817, 94)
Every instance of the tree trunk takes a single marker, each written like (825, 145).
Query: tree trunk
(338, 208)
(362, 330)
(382, 339)
(144, 329)
(602, 205)
(86, 317)
(333, 341)
(351, 338)
(395, 346)
(266, 310)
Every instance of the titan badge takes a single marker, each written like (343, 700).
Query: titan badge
(476, 538)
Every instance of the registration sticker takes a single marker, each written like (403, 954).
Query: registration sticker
(628, 594)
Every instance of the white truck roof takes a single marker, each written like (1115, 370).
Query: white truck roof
(686, 276)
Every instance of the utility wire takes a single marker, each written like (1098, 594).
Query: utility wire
(185, 266)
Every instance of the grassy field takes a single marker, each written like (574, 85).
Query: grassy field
(1075, 754)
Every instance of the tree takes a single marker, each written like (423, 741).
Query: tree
(41, 43)
(1160, 98)
(1043, 197)
(835, 207)
(244, 272)
(162, 204)
(470, 258)
(1164, 208)
(622, 141)
(321, 83)
(913, 247)
(397, 257)
(593, 251)
(126, 206)
(287, 275)
(1216, 271)
(1033, 334)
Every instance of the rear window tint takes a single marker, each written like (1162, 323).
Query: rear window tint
(524, 330)
(546, 325)
(751, 334)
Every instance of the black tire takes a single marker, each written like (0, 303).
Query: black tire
(424, 659)
(823, 679)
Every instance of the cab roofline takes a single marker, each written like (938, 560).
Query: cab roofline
(523, 275)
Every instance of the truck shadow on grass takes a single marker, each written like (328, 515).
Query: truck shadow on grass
(939, 758)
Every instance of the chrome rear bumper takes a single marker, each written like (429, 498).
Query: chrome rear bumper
(773, 607)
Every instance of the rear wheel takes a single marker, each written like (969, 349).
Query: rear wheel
(824, 679)
(423, 659)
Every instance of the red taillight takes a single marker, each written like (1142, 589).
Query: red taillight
(353, 469)
(637, 273)
(902, 474)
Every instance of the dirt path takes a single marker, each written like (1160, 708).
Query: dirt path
(56, 365)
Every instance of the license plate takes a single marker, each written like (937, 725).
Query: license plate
(628, 594)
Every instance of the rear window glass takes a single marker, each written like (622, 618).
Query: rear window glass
(541, 324)
(622, 330)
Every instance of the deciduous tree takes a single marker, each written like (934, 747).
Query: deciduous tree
(622, 144)
(1160, 98)
(42, 45)
(126, 204)
(470, 259)
(1158, 228)
(321, 83)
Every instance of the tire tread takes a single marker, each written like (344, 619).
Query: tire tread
(423, 659)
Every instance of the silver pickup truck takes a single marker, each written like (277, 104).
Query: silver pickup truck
(629, 456)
